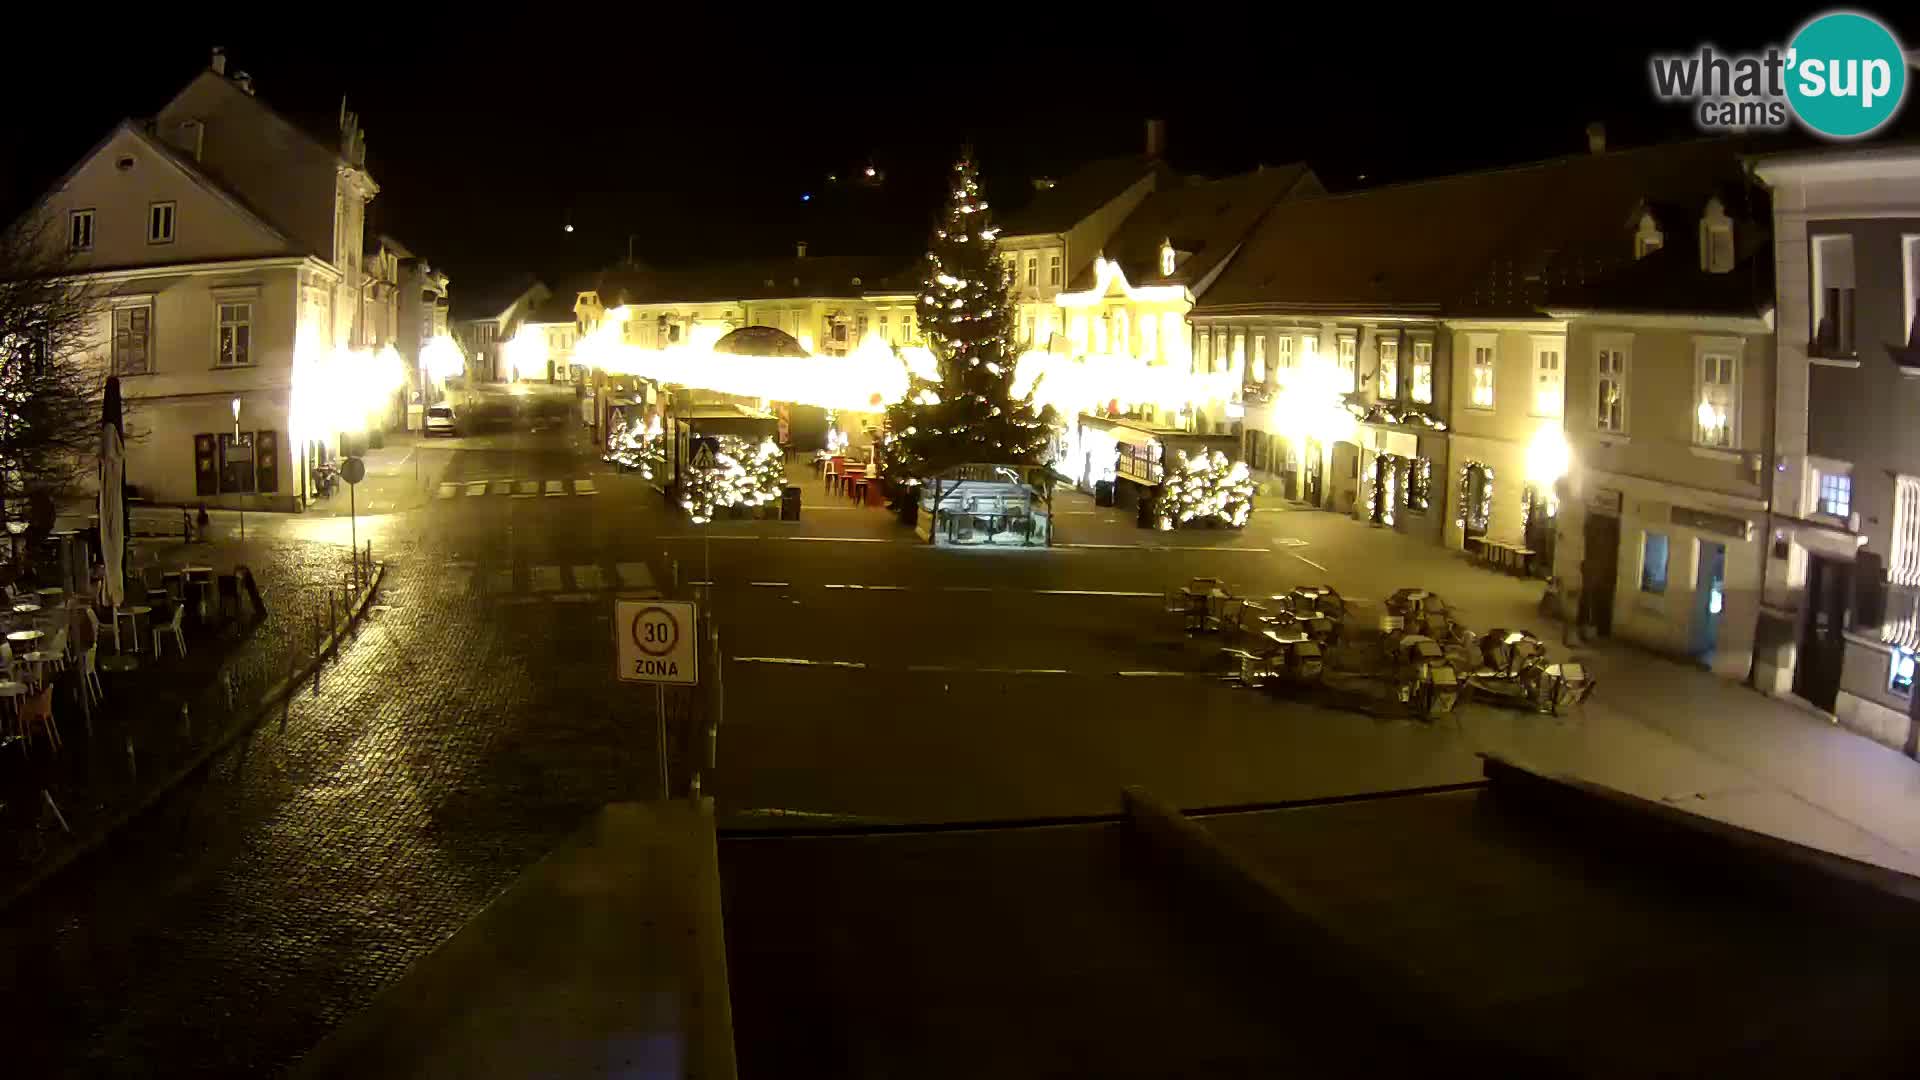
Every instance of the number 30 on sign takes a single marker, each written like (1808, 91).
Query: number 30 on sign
(654, 641)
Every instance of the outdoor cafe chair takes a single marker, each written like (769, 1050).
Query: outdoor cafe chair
(36, 712)
(94, 621)
(173, 626)
(90, 674)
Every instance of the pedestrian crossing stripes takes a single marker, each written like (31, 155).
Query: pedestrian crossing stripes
(514, 489)
(546, 581)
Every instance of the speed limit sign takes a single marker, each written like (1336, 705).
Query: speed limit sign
(653, 640)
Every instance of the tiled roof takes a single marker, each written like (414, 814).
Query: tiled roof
(1076, 196)
(1508, 241)
(1204, 219)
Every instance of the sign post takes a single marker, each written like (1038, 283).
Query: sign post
(353, 470)
(653, 642)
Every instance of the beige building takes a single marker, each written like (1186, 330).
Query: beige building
(490, 319)
(224, 240)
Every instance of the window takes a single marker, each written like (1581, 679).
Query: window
(1419, 483)
(1653, 562)
(1716, 412)
(1283, 352)
(1900, 672)
(1903, 562)
(1013, 271)
(1239, 351)
(1548, 393)
(1422, 375)
(236, 463)
(132, 333)
(1716, 239)
(1033, 270)
(1832, 299)
(1053, 269)
(235, 343)
(1347, 355)
(1480, 393)
(1030, 329)
(1258, 374)
(1610, 401)
(1122, 341)
(1389, 389)
(1309, 345)
(1836, 494)
(160, 223)
(80, 230)
(1202, 351)
(1222, 357)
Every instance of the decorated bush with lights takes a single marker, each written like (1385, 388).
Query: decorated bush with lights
(743, 474)
(1207, 489)
(638, 446)
(969, 412)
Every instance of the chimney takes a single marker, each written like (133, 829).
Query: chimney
(800, 250)
(219, 60)
(244, 81)
(1156, 138)
(1596, 138)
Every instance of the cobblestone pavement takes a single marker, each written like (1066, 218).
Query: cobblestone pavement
(226, 932)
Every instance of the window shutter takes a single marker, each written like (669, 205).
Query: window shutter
(267, 461)
(206, 465)
(1905, 566)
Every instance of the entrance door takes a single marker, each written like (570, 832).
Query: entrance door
(1313, 472)
(1709, 597)
(1600, 571)
(1823, 646)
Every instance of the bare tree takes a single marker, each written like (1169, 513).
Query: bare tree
(50, 385)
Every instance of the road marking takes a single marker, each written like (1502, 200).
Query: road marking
(589, 578)
(477, 487)
(965, 588)
(502, 487)
(633, 575)
(885, 588)
(1290, 541)
(795, 661)
(849, 664)
(447, 491)
(1094, 592)
(1104, 547)
(1151, 674)
(932, 667)
(768, 584)
(1199, 547)
(526, 487)
(842, 539)
(544, 578)
(1313, 564)
(584, 487)
(1041, 671)
(555, 487)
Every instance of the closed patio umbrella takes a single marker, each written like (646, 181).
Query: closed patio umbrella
(113, 501)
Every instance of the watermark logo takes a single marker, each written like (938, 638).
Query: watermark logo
(1843, 76)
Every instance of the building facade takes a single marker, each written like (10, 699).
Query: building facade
(1843, 545)
(225, 245)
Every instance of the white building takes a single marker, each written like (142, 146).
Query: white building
(223, 239)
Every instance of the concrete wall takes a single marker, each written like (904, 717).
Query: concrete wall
(187, 394)
(207, 227)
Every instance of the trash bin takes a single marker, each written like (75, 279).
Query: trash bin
(790, 504)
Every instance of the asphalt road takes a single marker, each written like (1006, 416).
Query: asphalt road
(476, 721)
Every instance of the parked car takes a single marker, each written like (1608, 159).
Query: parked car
(440, 420)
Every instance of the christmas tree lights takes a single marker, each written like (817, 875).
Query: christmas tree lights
(974, 416)
(743, 474)
(1207, 488)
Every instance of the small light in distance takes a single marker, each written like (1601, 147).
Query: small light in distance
(806, 196)
(869, 170)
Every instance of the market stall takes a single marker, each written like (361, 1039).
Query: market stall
(987, 506)
(1126, 463)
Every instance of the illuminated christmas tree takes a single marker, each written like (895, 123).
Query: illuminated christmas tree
(966, 315)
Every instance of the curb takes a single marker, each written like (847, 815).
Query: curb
(98, 838)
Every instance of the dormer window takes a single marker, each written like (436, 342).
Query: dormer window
(1166, 258)
(1648, 238)
(1716, 239)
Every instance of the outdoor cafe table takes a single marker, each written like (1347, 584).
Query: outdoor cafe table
(22, 637)
(24, 608)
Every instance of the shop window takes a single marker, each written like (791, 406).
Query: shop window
(1653, 563)
(1900, 672)
(1419, 484)
(1389, 388)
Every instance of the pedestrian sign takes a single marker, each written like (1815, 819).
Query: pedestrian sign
(654, 641)
(702, 454)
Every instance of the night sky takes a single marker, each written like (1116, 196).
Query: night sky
(700, 146)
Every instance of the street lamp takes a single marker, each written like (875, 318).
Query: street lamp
(236, 420)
